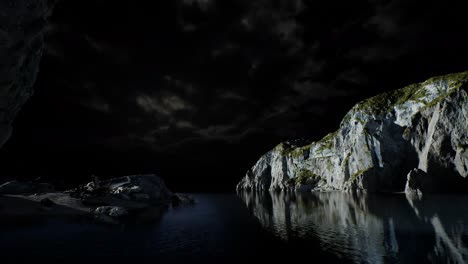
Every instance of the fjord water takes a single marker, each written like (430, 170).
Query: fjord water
(217, 228)
(369, 228)
(332, 227)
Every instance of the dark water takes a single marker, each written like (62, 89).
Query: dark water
(325, 227)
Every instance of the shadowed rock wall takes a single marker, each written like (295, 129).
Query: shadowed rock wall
(22, 27)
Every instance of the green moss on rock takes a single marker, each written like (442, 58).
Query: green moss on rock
(346, 160)
(297, 153)
(455, 79)
(439, 99)
(304, 175)
(327, 141)
(284, 149)
(293, 151)
(383, 103)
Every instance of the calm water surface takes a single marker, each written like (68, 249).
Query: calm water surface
(325, 227)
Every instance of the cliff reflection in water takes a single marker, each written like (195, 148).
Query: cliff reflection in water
(369, 227)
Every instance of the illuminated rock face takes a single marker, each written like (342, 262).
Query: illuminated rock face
(380, 140)
(23, 24)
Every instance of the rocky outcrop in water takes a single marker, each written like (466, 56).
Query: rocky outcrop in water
(22, 29)
(148, 189)
(422, 126)
(123, 199)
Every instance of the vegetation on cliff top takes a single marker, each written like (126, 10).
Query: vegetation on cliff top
(297, 151)
(383, 103)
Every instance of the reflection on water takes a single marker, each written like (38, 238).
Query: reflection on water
(369, 227)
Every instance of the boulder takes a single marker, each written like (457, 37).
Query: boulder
(416, 181)
(111, 211)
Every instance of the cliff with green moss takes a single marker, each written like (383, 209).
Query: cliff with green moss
(421, 128)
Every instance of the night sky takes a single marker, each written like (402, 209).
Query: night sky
(196, 90)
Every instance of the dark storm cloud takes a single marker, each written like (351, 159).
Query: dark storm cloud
(166, 105)
(386, 17)
(200, 70)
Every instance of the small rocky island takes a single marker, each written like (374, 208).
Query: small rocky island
(413, 139)
(140, 198)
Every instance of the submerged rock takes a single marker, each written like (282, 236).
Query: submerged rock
(379, 142)
(416, 183)
(112, 199)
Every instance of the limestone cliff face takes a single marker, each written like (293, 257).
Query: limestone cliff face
(22, 27)
(423, 126)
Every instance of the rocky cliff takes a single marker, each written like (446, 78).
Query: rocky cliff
(421, 128)
(22, 28)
